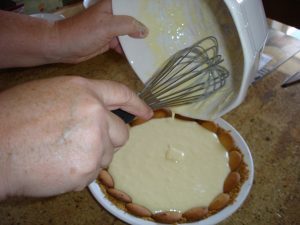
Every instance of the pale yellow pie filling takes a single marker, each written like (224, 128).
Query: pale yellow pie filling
(170, 164)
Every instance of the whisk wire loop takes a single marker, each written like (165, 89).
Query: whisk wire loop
(192, 74)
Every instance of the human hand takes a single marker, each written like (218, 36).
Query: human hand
(56, 134)
(26, 41)
(93, 32)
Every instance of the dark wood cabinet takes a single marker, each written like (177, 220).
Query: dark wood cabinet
(284, 11)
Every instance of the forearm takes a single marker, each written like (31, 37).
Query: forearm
(5, 161)
(4, 183)
(26, 41)
(3, 177)
(7, 185)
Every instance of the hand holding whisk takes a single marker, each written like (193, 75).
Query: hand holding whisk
(190, 75)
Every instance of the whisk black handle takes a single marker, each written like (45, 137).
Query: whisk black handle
(125, 116)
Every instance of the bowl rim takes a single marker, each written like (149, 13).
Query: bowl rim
(214, 219)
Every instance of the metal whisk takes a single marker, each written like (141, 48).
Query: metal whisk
(190, 75)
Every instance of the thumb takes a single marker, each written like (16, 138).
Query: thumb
(127, 25)
(116, 95)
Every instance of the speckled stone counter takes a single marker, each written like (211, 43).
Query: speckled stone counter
(268, 120)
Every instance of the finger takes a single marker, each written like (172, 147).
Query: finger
(106, 142)
(106, 159)
(117, 130)
(107, 154)
(119, 50)
(121, 25)
(118, 134)
(115, 45)
(126, 25)
(116, 95)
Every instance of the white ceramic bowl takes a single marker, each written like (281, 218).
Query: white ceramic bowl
(48, 16)
(214, 219)
(176, 24)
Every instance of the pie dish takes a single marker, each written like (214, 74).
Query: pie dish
(100, 191)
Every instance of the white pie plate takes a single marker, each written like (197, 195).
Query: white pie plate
(214, 219)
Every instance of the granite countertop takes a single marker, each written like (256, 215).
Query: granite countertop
(268, 120)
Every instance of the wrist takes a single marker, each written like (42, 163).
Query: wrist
(59, 38)
(27, 41)
(52, 49)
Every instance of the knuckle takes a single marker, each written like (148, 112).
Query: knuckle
(91, 166)
(119, 133)
(106, 159)
(91, 108)
(85, 165)
(94, 108)
(124, 135)
(127, 94)
(76, 80)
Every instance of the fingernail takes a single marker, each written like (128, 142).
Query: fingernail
(143, 30)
